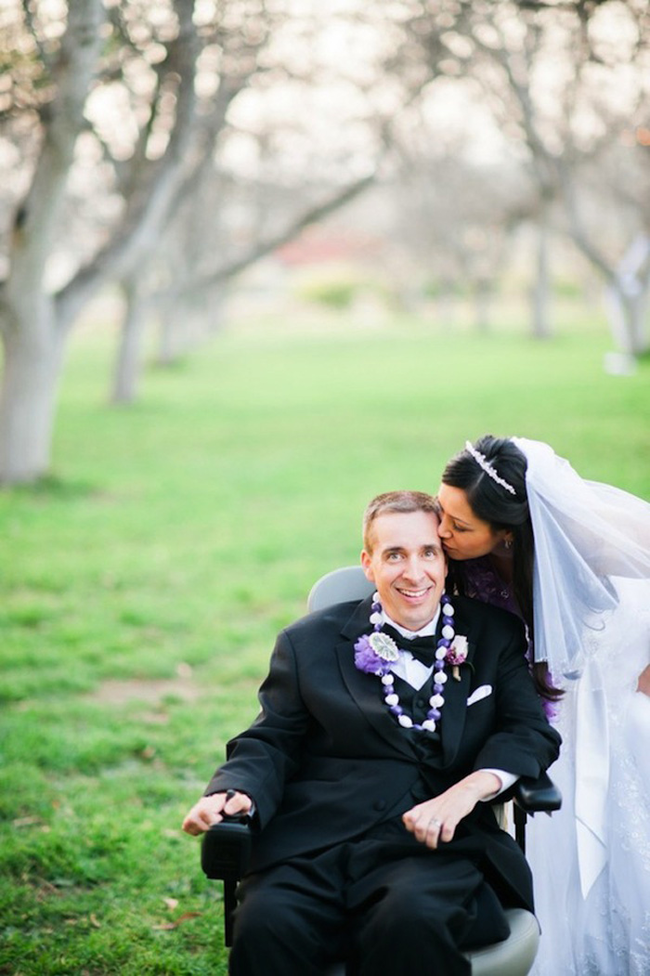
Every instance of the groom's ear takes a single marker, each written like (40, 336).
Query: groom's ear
(366, 565)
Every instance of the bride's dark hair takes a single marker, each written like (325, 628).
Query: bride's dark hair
(495, 504)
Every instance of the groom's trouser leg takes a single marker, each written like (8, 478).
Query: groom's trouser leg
(384, 902)
(420, 912)
(412, 907)
(290, 920)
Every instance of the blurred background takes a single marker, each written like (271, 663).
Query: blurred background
(260, 261)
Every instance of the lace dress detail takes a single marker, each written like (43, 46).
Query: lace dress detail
(481, 581)
(484, 584)
(605, 931)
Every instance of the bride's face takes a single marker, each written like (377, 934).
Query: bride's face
(463, 535)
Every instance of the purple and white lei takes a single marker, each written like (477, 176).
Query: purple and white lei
(375, 653)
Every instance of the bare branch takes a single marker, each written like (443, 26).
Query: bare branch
(151, 202)
(31, 27)
(74, 71)
(262, 248)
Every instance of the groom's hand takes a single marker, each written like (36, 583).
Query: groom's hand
(435, 821)
(212, 809)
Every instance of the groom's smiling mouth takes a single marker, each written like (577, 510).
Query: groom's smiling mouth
(414, 594)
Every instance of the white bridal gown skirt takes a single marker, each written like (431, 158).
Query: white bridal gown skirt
(591, 860)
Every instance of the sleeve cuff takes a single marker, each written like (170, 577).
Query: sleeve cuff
(507, 780)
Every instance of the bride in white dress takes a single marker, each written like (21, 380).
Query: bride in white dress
(572, 557)
(591, 862)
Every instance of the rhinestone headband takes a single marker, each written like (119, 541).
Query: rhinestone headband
(487, 467)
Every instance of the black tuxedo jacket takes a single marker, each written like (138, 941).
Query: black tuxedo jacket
(325, 760)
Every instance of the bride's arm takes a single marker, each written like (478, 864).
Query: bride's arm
(643, 683)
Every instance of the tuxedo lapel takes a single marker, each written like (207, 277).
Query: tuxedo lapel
(456, 693)
(366, 692)
(365, 689)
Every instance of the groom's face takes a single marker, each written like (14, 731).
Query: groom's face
(406, 562)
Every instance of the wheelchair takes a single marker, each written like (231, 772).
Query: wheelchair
(226, 846)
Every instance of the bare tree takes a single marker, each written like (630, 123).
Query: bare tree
(569, 82)
(183, 285)
(35, 317)
(456, 212)
(129, 100)
(33, 331)
(295, 173)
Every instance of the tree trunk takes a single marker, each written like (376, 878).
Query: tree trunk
(33, 355)
(170, 342)
(175, 335)
(188, 318)
(447, 304)
(627, 306)
(482, 306)
(628, 295)
(541, 292)
(33, 333)
(128, 366)
(639, 324)
(212, 310)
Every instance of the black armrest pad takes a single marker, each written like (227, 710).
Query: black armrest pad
(226, 849)
(537, 795)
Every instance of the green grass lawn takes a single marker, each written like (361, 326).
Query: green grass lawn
(144, 583)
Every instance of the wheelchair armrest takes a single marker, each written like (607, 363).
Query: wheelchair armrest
(537, 795)
(225, 853)
(226, 848)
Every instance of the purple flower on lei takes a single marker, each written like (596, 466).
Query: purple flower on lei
(374, 653)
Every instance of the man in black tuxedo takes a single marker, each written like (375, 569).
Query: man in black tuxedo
(367, 770)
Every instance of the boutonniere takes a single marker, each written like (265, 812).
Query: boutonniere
(457, 655)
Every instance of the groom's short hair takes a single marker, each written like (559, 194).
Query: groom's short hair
(396, 501)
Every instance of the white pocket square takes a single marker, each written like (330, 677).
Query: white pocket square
(482, 692)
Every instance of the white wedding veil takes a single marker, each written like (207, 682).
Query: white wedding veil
(591, 596)
(587, 536)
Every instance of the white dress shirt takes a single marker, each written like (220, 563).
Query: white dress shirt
(416, 674)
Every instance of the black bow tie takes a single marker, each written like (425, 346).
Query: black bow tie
(423, 648)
